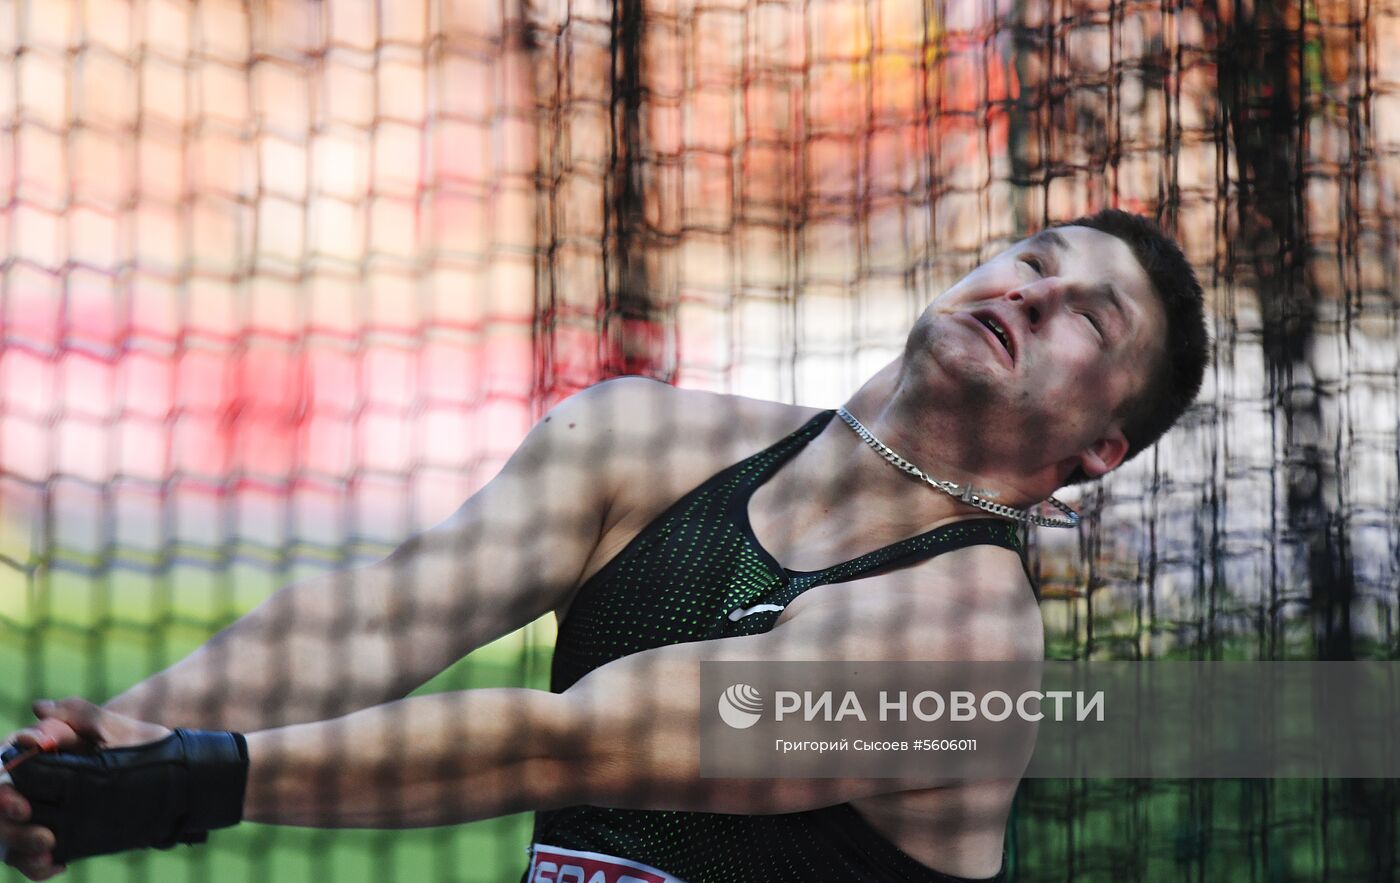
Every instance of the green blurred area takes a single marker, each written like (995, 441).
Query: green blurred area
(1273, 831)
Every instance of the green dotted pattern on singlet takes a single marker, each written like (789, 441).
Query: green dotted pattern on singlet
(677, 581)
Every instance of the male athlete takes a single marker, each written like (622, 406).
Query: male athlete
(665, 528)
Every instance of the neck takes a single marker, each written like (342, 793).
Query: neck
(934, 437)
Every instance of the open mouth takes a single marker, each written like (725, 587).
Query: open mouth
(998, 331)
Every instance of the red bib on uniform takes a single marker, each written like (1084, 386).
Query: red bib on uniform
(554, 864)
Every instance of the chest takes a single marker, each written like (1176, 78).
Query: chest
(695, 570)
(693, 573)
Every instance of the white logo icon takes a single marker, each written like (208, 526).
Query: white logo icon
(739, 613)
(740, 706)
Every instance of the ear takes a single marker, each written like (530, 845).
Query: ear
(1104, 455)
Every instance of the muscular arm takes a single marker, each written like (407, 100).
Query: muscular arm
(624, 736)
(357, 638)
(325, 647)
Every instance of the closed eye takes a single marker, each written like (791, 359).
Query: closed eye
(1034, 263)
(1098, 329)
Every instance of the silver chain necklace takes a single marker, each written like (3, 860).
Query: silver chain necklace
(966, 493)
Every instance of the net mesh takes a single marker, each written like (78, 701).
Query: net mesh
(286, 281)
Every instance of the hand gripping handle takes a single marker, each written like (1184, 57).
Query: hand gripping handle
(158, 794)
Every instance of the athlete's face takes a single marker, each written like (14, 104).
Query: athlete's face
(1045, 342)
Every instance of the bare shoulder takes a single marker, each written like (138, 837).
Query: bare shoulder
(971, 604)
(982, 603)
(660, 441)
(647, 410)
(647, 444)
(991, 573)
(990, 582)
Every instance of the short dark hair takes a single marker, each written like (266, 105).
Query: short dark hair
(1177, 372)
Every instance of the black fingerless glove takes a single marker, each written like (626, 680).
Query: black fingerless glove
(153, 795)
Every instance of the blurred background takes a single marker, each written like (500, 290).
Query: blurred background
(284, 282)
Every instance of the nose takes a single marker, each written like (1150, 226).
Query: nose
(1038, 299)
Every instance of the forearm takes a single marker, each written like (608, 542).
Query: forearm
(476, 754)
(419, 762)
(314, 650)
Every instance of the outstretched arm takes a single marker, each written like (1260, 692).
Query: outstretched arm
(627, 735)
(343, 641)
(327, 646)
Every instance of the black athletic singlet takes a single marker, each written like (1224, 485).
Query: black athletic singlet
(678, 581)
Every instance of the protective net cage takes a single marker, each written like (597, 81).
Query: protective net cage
(285, 282)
